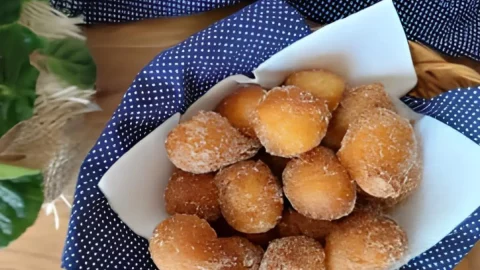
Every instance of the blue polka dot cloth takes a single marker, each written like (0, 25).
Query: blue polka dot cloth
(98, 239)
(451, 27)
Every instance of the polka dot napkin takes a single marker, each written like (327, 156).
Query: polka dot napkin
(98, 239)
(451, 27)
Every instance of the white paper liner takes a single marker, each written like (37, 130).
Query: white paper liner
(369, 46)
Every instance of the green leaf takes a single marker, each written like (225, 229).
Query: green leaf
(70, 60)
(12, 172)
(20, 201)
(17, 76)
(10, 11)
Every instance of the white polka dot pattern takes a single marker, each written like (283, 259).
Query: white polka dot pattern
(448, 26)
(98, 11)
(451, 27)
(460, 109)
(451, 250)
(98, 239)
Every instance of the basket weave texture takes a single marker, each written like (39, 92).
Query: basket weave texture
(436, 75)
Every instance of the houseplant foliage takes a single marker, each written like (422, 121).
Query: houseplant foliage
(36, 41)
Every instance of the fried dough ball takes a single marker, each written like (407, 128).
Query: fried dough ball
(262, 239)
(294, 224)
(365, 241)
(238, 108)
(321, 83)
(222, 228)
(241, 253)
(411, 181)
(354, 103)
(276, 164)
(207, 143)
(290, 121)
(295, 252)
(186, 242)
(250, 197)
(192, 194)
(367, 203)
(378, 150)
(318, 186)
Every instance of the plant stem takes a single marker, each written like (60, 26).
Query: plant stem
(49, 22)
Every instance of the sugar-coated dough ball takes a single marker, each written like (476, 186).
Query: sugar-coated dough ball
(240, 253)
(183, 242)
(318, 186)
(411, 181)
(207, 143)
(290, 121)
(239, 106)
(321, 83)
(192, 194)
(250, 196)
(262, 239)
(365, 241)
(186, 242)
(222, 228)
(378, 150)
(275, 163)
(294, 224)
(354, 103)
(295, 252)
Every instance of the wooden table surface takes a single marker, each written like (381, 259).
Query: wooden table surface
(120, 51)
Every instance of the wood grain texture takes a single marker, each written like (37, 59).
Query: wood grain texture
(40, 248)
(120, 51)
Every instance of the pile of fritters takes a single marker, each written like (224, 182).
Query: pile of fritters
(305, 170)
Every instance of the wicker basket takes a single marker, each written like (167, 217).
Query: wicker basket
(436, 75)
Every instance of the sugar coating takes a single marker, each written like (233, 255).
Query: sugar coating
(321, 83)
(353, 104)
(290, 121)
(365, 241)
(295, 252)
(275, 163)
(241, 253)
(262, 239)
(193, 194)
(223, 229)
(318, 186)
(294, 224)
(378, 150)
(184, 242)
(239, 106)
(411, 181)
(207, 143)
(250, 197)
